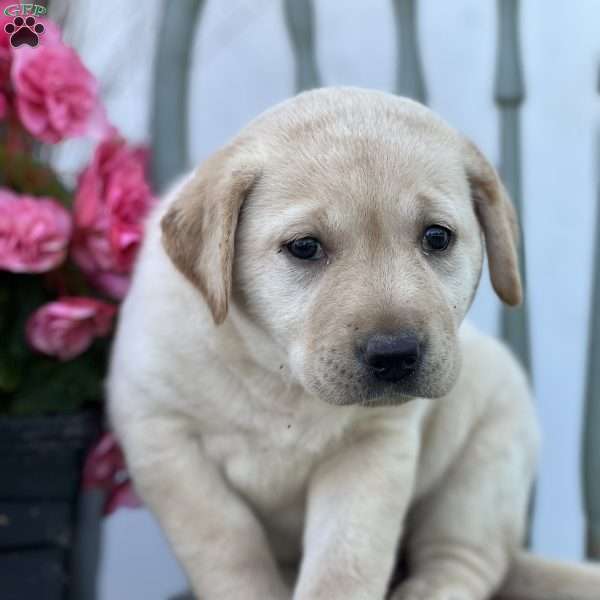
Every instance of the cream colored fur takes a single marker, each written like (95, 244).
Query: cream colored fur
(250, 427)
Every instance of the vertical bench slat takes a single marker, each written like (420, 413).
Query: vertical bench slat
(169, 113)
(509, 95)
(591, 427)
(299, 19)
(409, 78)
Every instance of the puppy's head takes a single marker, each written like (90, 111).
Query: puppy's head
(347, 225)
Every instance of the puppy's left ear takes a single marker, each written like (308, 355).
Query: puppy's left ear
(498, 220)
(199, 227)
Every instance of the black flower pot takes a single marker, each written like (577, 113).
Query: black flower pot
(41, 460)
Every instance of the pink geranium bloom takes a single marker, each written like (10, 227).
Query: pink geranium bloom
(5, 62)
(51, 36)
(56, 96)
(34, 233)
(112, 200)
(67, 327)
(105, 470)
(3, 105)
(5, 57)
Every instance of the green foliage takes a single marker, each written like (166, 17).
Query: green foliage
(31, 383)
(53, 386)
(25, 175)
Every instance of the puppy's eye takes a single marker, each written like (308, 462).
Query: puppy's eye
(436, 238)
(306, 248)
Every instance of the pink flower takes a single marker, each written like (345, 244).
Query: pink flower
(122, 495)
(5, 62)
(4, 4)
(105, 470)
(112, 200)
(56, 96)
(67, 327)
(3, 106)
(50, 37)
(5, 57)
(34, 233)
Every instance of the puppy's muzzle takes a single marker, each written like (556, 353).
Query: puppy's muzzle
(391, 358)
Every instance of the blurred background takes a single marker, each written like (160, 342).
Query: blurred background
(243, 61)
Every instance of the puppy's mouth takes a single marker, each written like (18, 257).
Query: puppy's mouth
(376, 399)
(362, 387)
(378, 393)
(387, 394)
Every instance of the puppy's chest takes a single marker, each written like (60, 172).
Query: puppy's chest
(269, 461)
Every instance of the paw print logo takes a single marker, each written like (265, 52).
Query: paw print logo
(24, 31)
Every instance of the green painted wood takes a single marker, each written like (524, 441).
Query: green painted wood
(591, 424)
(409, 78)
(509, 95)
(87, 552)
(300, 22)
(169, 115)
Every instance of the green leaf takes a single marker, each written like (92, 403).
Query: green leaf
(25, 175)
(29, 382)
(10, 374)
(53, 386)
(28, 295)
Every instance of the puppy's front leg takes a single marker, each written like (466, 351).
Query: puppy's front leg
(467, 531)
(356, 507)
(213, 533)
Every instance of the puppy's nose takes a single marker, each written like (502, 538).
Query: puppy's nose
(392, 358)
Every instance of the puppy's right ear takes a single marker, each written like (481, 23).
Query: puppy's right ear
(198, 230)
(498, 220)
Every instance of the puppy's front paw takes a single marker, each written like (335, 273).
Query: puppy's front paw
(419, 589)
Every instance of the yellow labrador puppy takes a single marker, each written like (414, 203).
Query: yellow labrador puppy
(292, 379)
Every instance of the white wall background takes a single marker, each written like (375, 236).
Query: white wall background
(243, 64)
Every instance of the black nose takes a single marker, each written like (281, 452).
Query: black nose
(391, 357)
